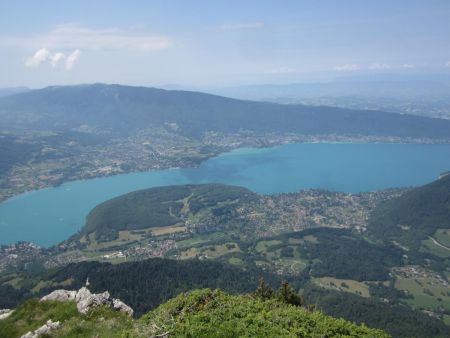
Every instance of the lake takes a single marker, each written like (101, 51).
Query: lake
(49, 216)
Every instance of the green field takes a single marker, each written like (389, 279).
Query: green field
(262, 246)
(346, 285)
(210, 251)
(429, 293)
(443, 236)
(429, 246)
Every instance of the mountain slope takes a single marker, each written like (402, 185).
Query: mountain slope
(124, 109)
(415, 215)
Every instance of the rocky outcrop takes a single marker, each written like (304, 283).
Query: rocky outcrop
(87, 300)
(118, 305)
(5, 313)
(44, 329)
(60, 296)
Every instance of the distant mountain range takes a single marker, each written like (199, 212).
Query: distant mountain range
(124, 109)
(398, 86)
(12, 91)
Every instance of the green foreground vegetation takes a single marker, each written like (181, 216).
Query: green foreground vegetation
(200, 313)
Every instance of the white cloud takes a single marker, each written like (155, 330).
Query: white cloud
(246, 25)
(72, 58)
(74, 36)
(447, 64)
(408, 65)
(56, 58)
(280, 70)
(44, 56)
(349, 67)
(379, 66)
(41, 56)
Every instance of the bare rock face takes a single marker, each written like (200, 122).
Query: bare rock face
(83, 293)
(87, 300)
(60, 296)
(118, 305)
(5, 313)
(44, 329)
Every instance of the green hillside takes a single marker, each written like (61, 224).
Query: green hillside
(414, 216)
(125, 109)
(160, 207)
(200, 313)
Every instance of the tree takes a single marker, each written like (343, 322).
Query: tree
(263, 291)
(288, 295)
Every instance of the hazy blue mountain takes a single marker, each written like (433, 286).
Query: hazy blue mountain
(125, 109)
(398, 86)
(12, 91)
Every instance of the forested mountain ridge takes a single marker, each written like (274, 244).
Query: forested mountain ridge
(415, 215)
(124, 109)
(161, 207)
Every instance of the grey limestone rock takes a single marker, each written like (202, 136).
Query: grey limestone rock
(118, 305)
(87, 300)
(44, 329)
(60, 296)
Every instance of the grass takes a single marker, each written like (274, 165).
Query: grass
(345, 285)
(431, 247)
(199, 313)
(429, 293)
(262, 246)
(190, 253)
(311, 238)
(443, 236)
(295, 241)
(207, 313)
(191, 242)
(99, 322)
(210, 252)
(446, 319)
(220, 250)
(167, 230)
(33, 314)
(235, 261)
(15, 282)
(291, 265)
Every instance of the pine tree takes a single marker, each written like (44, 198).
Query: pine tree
(263, 291)
(288, 295)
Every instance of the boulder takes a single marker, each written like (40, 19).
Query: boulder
(43, 330)
(5, 313)
(60, 296)
(118, 305)
(83, 293)
(87, 300)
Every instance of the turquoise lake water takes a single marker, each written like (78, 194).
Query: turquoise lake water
(49, 216)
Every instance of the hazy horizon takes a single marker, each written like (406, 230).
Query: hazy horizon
(212, 44)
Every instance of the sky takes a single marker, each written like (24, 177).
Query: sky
(218, 43)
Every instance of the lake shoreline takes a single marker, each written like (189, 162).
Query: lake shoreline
(224, 153)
